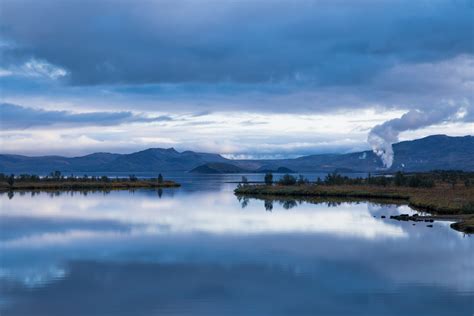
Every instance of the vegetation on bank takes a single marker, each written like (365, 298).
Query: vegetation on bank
(438, 192)
(399, 179)
(466, 226)
(57, 181)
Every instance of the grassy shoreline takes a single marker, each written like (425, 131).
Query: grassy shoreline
(86, 185)
(440, 200)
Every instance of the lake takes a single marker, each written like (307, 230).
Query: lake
(198, 250)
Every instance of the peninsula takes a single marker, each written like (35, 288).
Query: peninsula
(56, 181)
(443, 194)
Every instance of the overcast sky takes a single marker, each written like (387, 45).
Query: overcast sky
(241, 78)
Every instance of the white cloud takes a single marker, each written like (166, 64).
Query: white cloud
(35, 68)
(5, 72)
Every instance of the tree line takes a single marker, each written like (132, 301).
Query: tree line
(57, 176)
(399, 179)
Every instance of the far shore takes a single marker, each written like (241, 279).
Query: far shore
(86, 185)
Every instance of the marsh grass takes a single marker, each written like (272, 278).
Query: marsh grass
(441, 199)
(66, 185)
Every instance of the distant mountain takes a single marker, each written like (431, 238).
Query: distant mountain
(157, 159)
(429, 153)
(425, 154)
(435, 152)
(354, 162)
(153, 159)
(17, 163)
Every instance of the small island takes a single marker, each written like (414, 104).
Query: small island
(228, 168)
(447, 195)
(57, 181)
(218, 168)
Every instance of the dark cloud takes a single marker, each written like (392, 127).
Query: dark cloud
(109, 60)
(322, 42)
(18, 117)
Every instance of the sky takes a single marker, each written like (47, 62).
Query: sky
(246, 79)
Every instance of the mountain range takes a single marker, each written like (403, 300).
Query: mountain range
(429, 153)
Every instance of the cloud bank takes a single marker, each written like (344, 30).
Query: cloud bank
(324, 42)
(19, 117)
(110, 64)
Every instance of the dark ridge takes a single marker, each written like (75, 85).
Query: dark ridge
(436, 152)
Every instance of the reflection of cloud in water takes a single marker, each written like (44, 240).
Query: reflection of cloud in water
(49, 239)
(111, 288)
(349, 223)
(35, 275)
(211, 228)
(213, 214)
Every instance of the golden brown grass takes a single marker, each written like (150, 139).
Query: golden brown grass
(441, 199)
(87, 185)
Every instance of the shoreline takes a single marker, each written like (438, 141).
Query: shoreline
(87, 185)
(440, 201)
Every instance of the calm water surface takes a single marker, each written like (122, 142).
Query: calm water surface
(198, 250)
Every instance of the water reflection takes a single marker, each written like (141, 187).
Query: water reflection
(197, 252)
(287, 204)
(213, 289)
(215, 213)
(268, 205)
(84, 192)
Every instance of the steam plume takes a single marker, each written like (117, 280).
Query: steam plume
(382, 136)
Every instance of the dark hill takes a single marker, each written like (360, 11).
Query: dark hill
(157, 159)
(435, 152)
(425, 154)
(429, 153)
